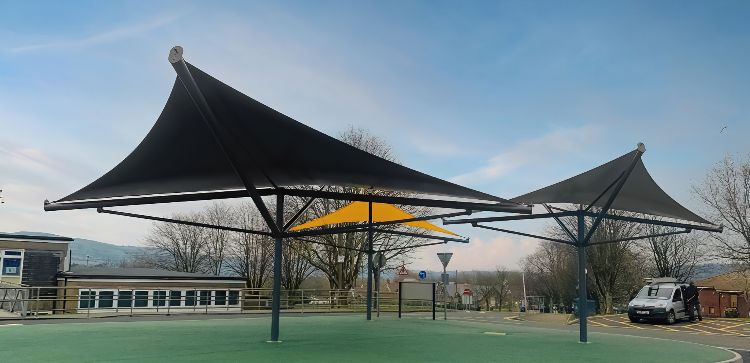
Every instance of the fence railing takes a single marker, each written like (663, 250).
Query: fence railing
(13, 299)
(35, 302)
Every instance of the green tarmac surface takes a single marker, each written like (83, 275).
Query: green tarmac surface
(330, 339)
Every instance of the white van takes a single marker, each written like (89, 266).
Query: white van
(661, 300)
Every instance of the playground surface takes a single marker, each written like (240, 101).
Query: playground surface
(331, 339)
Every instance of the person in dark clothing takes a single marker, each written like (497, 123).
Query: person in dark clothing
(691, 302)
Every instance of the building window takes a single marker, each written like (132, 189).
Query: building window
(106, 299)
(220, 297)
(234, 297)
(160, 298)
(87, 299)
(190, 298)
(205, 297)
(711, 310)
(733, 301)
(124, 299)
(141, 299)
(174, 297)
(11, 262)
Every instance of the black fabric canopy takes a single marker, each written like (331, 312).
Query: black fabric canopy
(640, 193)
(180, 155)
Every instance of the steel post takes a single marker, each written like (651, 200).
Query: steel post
(445, 295)
(369, 262)
(276, 302)
(433, 301)
(582, 295)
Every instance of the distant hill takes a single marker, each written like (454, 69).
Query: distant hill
(711, 269)
(98, 252)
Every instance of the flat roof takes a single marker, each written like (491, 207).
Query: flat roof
(34, 238)
(84, 272)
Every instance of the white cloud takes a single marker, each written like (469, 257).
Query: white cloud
(100, 38)
(479, 254)
(549, 148)
(436, 145)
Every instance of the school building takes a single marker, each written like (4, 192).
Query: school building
(36, 278)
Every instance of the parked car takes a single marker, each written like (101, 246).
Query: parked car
(661, 300)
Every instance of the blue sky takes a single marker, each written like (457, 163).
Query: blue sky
(501, 96)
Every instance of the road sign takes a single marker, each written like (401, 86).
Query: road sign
(378, 261)
(445, 257)
(422, 275)
(402, 270)
(467, 300)
(467, 292)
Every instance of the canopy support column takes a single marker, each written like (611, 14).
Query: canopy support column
(583, 300)
(277, 256)
(369, 262)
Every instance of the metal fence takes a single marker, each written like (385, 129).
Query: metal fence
(13, 299)
(64, 302)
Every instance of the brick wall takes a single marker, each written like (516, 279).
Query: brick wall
(714, 302)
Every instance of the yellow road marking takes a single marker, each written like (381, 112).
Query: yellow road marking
(624, 323)
(699, 330)
(726, 329)
(734, 326)
(705, 322)
(598, 323)
(664, 327)
(720, 327)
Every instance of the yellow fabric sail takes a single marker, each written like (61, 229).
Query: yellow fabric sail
(359, 212)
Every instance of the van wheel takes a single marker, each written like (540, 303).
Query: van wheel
(671, 317)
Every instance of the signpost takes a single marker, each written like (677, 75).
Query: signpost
(467, 299)
(445, 257)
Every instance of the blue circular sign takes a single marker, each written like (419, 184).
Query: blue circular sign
(422, 275)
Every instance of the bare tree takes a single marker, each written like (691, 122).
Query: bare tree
(673, 255)
(220, 214)
(295, 268)
(551, 272)
(725, 192)
(502, 286)
(485, 286)
(251, 255)
(179, 247)
(612, 264)
(341, 257)
(613, 268)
